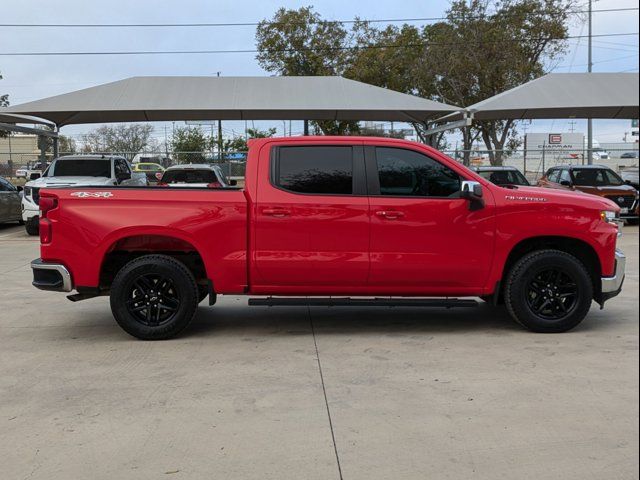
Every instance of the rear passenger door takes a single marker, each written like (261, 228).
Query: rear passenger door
(311, 220)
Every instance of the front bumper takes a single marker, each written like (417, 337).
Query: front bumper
(612, 286)
(51, 276)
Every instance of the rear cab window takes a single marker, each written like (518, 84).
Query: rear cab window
(189, 176)
(314, 169)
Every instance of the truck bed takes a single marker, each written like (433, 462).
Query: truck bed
(212, 222)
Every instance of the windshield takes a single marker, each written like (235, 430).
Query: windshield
(504, 177)
(80, 168)
(595, 177)
(189, 176)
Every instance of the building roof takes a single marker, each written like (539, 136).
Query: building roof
(140, 99)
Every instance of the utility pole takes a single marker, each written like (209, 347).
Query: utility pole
(590, 68)
(572, 128)
(219, 133)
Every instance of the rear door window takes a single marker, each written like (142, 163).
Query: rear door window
(324, 170)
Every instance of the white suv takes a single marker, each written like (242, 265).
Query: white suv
(76, 171)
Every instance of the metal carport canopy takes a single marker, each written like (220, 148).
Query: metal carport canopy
(139, 99)
(563, 95)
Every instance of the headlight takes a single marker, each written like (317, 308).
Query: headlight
(608, 216)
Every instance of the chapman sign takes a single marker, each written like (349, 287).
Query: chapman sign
(555, 142)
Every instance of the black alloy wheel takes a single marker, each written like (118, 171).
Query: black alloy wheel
(552, 294)
(153, 300)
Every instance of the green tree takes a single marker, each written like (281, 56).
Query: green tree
(67, 144)
(487, 47)
(123, 139)
(298, 42)
(189, 144)
(239, 143)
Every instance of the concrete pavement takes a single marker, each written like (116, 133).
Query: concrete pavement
(297, 393)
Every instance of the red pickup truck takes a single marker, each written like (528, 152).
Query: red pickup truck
(332, 221)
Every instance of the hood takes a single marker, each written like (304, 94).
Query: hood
(567, 197)
(69, 182)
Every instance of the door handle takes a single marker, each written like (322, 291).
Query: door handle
(389, 214)
(275, 212)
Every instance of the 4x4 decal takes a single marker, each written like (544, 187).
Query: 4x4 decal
(92, 194)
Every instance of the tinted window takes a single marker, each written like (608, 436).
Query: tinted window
(121, 168)
(553, 175)
(408, 173)
(504, 177)
(189, 176)
(81, 168)
(596, 177)
(327, 170)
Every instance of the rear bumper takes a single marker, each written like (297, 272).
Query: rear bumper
(611, 286)
(51, 276)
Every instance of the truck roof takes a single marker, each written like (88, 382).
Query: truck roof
(88, 157)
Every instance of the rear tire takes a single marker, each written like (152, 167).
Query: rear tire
(548, 291)
(154, 297)
(32, 226)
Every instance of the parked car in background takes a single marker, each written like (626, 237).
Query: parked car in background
(630, 177)
(596, 180)
(323, 219)
(10, 197)
(77, 171)
(195, 175)
(146, 158)
(628, 155)
(503, 176)
(21, 172)
(153, 171)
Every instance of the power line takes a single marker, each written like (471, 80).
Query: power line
(254, 24)
(365, 47)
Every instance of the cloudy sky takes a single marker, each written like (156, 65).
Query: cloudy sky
(29, 78)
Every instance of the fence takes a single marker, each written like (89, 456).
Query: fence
(533, 162)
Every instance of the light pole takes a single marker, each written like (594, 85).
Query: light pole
(590, 68)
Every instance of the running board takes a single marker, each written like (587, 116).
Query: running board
(360, 302)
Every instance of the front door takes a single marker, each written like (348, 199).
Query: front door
(311, 220)
(425, 239)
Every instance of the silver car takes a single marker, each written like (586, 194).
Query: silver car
(10, 198)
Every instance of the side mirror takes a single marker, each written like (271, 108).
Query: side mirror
(565, 183)
(123, 176)
(34, 176)
(19, 188)
(472, 191)
(233, 183)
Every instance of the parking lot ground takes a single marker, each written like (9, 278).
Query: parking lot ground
(312, 393)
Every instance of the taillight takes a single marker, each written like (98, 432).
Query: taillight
(214, 185)
(46, 205)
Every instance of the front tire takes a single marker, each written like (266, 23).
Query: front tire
(154, 297)
(548, 291)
